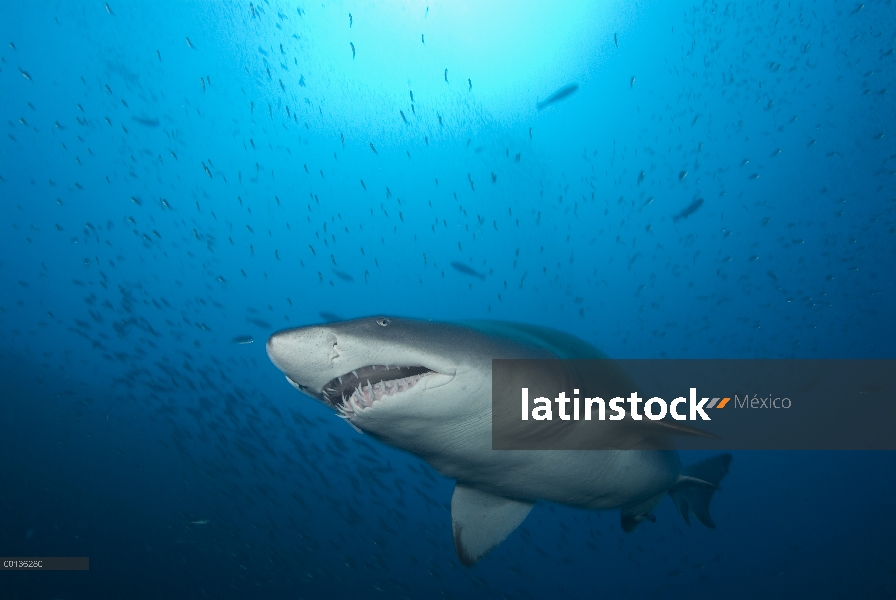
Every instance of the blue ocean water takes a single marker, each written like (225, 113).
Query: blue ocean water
(178, 179)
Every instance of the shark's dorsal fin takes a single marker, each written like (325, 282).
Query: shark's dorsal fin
(481, 521)
(559, 343)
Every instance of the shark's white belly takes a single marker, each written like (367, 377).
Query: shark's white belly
(596, 479)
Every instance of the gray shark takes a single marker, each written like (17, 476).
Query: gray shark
(426, 388)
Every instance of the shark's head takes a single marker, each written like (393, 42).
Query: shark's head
(398, 379)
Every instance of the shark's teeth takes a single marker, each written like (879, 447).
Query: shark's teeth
(359, 389)
(365, 396)
(347, 383)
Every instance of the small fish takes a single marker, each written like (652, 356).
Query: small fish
(148, 121)
(560, 94)
(242, 339)
(689, 210)
(374, 149)
(871, 389)
(470, 81)
(190, 44)
(350, 20)
(25, 74)
(446, 75)
(461, 267)
(353, 49)
(616, 39)
(109, 10)
(631, 83)
(200, 522)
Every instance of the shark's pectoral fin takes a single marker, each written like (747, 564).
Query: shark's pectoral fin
(481, 521)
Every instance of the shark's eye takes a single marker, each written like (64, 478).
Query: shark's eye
(382, 321)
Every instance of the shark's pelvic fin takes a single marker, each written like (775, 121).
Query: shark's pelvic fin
(481, 521)
(632, 515)
(696, 485)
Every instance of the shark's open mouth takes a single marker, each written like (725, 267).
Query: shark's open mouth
(360, 388)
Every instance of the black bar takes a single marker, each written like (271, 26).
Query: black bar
(43, 563)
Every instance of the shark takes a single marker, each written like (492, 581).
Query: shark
(425, 387)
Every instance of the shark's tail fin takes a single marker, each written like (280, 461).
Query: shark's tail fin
(696, 485)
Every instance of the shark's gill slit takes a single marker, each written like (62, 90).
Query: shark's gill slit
(361, 387)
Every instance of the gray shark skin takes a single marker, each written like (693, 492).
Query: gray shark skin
(425, 388)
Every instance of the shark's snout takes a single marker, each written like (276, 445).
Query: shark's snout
(271, 348)
(304, 355)
(277, 348)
